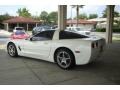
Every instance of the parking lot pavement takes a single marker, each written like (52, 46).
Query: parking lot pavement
(3, 40)
(22, 70)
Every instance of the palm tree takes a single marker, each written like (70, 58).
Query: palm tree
(77, 11)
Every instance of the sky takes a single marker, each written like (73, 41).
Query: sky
(36, 9)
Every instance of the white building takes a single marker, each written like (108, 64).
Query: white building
(88, 25)
(101, 22)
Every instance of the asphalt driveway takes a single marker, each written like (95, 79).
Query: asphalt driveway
(21, 70)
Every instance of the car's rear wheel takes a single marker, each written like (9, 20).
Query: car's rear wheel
(65, 59)
(12, 51)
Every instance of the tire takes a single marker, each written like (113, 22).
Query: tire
(12, 51)
(65, 58)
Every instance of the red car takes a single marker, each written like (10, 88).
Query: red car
(19, 35)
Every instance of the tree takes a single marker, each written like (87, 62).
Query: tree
(44, 16)
(117, 22)
(116, 13)
(77, 11)
(82, 16)
(2, 18)
(91, 16)
(23, 12)
(53, 17)
(35, 17)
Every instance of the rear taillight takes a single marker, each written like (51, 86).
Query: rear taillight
(93, 45)
(96, 44)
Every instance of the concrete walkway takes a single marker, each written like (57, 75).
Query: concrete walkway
(21, 70)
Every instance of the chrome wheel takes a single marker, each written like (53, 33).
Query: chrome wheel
(63, 59)
(12, 50)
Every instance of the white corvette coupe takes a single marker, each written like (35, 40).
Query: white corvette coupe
(62, 47)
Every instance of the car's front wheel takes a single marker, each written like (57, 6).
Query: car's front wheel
(65, 59)
(12, 51)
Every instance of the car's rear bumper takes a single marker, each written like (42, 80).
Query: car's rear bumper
(91, 54)
(96, 52)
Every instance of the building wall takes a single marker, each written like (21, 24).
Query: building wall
(86, 26)
(24, 25)
(99, 25)
(104, 24)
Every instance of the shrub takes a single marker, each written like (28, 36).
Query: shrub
(100, 29)
(104, 30)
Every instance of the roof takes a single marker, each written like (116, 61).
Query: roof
(21, 20)
(102, 19)
(80, 22)
(97, 19)
(105, 23)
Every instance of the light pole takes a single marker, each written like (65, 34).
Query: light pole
(71, 17)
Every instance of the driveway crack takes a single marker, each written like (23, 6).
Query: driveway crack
(33, 71)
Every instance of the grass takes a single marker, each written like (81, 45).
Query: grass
(115, 38)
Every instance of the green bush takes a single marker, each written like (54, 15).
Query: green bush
(116, 30)
(104, 30)
(100, 29)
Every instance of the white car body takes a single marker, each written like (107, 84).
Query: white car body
(78, 30)
(45, 50)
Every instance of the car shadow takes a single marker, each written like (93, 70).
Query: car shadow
(89, 66)
(34, 60)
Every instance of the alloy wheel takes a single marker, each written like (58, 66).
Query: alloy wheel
(11, 50)
(64, 59)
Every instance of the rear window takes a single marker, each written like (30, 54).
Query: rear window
(19, 28)
(70, 35)
(19, 33)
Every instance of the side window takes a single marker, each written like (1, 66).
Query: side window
(63, 35)
(70, 35)
(45, 35)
